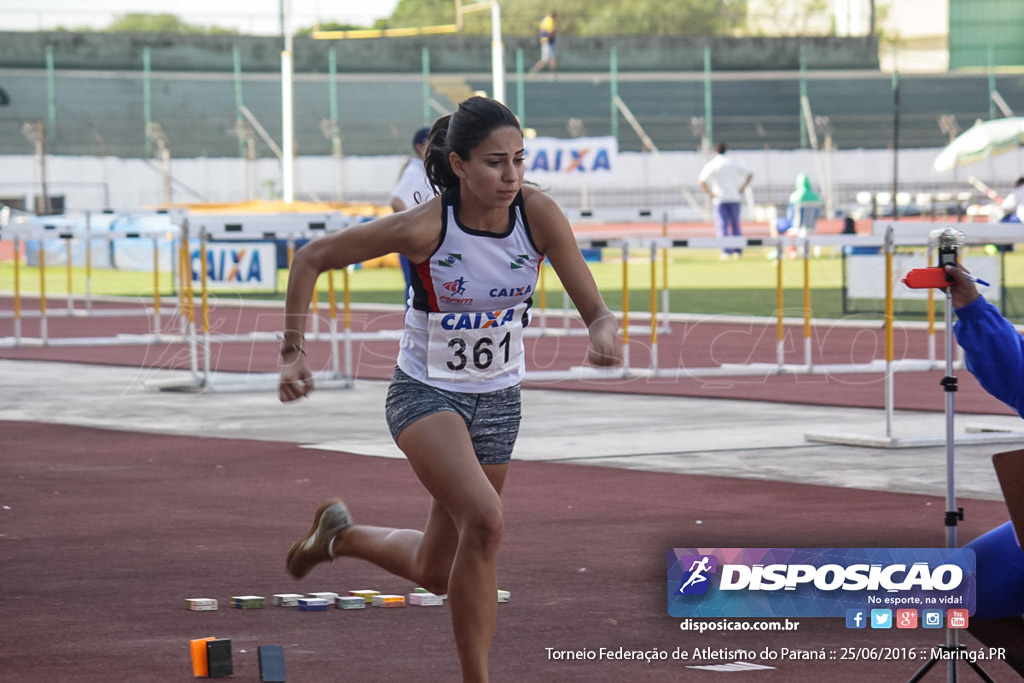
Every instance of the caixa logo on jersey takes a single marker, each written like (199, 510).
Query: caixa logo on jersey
(478, 321)
(816, 582)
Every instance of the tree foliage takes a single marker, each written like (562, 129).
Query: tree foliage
(518, 18)
(796, 18)
(139, 22)
(586, 17)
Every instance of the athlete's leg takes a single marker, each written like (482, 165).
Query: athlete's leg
(442, 455)
(457, 551)
(1000, 593)
(424, 557)
(1007, 633)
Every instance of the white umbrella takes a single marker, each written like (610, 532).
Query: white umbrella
(982, 140)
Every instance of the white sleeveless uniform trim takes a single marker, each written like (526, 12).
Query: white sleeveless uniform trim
(470, 302)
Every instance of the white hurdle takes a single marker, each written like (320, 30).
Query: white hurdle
(291, 227)
(21, 233)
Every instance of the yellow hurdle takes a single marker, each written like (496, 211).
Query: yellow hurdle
(543, 297)
(889, 315)
(203, 288)
(17, 288)
(156, 282)
(347, 323)
(664, 280)
(42, 292)
(654, 305)
(332, 306)
(807, 303)
(625, 305)
(67, 273)
(184, 275)
(780, 328)
(346, 301)
(88, 269)
(315, 307)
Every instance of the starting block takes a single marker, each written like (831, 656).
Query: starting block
(200, 663)
(211, 657)
(271, 663)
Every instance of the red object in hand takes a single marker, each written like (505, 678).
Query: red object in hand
(923, 278)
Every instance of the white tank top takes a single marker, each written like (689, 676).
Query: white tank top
(470, 302)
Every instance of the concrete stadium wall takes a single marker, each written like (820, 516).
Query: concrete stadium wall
(448, 53)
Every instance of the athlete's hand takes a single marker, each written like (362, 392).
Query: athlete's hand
(296, 380)
(962, 289)
(605, 344)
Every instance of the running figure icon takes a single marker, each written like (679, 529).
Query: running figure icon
(697, 570)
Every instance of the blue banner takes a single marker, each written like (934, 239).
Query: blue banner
(817, 582)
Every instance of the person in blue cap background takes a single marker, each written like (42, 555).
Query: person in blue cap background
(412, 188)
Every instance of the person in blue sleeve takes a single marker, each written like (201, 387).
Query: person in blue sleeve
(994, 352)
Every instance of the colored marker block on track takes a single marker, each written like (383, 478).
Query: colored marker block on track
(313, 605)
(350, 602)
(201, 604)
(425, 599)
(287, 599)
(389, 601)
(365, 594)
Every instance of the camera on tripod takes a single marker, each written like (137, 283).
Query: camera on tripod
(948, 241)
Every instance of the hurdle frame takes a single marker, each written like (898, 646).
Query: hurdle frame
(225, 227)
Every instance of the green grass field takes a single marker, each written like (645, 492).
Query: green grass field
(698, 280)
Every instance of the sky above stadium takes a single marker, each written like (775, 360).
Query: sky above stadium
(257, 17)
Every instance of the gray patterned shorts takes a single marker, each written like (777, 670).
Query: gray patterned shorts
(492, 418)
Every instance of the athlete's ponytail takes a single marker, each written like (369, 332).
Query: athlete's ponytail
(461, 132)
(435, 161)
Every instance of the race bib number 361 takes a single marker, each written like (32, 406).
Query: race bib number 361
(475, 346)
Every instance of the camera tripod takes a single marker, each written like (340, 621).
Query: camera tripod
(952, 650)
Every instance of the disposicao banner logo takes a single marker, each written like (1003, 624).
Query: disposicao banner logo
(816, 582)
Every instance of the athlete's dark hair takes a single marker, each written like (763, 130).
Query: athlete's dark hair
(461, 132)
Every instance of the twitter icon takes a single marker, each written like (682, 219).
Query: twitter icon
(881, 618)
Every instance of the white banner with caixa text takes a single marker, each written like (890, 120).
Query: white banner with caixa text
(570, 157)
(235, 265)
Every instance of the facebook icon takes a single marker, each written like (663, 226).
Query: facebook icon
(856, 618)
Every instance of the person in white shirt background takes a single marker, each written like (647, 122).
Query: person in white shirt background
(412, 188)
(725, 180)
(1013, 204)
